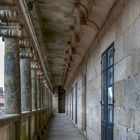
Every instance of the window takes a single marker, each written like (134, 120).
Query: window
(107, 97)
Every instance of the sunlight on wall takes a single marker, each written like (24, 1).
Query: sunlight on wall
(1, 63)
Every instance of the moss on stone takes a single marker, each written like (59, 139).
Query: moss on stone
(47, 31)
(41, 2)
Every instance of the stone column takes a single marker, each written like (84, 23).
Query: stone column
(38, 101)
(39, 90)
(25, 64)
(34, 84)
(12, 77)
(38, 85)
(11, 32)
(44, 93)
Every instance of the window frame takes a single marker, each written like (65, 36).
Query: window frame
(107, 126)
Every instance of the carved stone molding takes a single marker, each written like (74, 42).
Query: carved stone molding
(10, 33)
(34, 65)
(25, 53)
(24, 43)
(8, 15)
(39, 72)
(6, 2)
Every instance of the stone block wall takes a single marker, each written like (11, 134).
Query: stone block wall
(125, 33)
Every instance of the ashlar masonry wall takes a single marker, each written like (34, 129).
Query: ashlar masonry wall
(125, 33)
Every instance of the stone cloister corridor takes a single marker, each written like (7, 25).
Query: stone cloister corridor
(69, 69)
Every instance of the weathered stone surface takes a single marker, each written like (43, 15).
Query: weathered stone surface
(119, 93)
(118, 55)
(137, 33)
(136, 62)
(120, 133)
(132, 95)
(34, 89)
(123, 117)
(61, 128)
(108, 38)
(129, 41)
(38, 93)
(137, 121)
(133, 136)
(12, 77)
(25, 84)
(125, 33)
(123, 70)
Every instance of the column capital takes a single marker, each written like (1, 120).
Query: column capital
(25, 49)
(45, 82)
(9, 23)
(39, 72)
(10, 29)
(34, 65)
(25, 53)
(8, 15)
(10, 33)
(24, 43)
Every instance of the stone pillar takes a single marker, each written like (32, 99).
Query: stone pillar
(25, 64)
(34, 84)
(39, 92)
(38, 101)
(44, 93)
(12, 77)
(11, 32)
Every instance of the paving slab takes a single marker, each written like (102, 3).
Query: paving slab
(60, 127)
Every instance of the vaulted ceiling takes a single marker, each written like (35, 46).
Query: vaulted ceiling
(65, 29)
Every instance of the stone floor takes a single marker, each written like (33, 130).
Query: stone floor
(61, 128)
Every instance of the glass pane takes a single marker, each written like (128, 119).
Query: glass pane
(110, 114)
(110, 57)
(110, 95)
(104, 96)
(109, 133)
(104, 79)
(104, 114)
(104, 62)
(103, 131)
(110, 76)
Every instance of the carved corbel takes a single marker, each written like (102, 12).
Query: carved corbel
(25, 43)
(25, 50)
(72, 49)
(74, 35)
(34, 64)
(80, 13)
